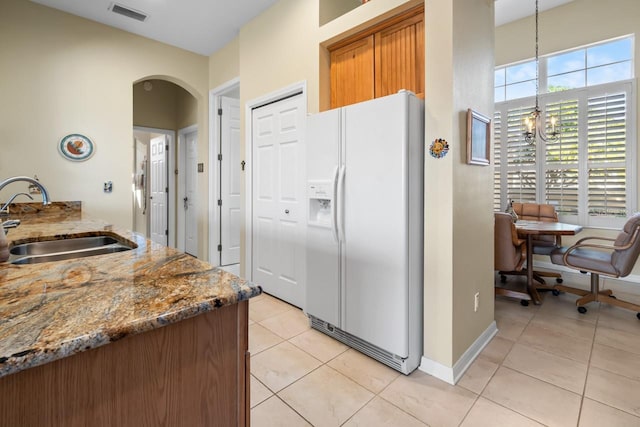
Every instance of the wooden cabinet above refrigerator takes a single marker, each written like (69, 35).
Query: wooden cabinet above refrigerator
(380, 60)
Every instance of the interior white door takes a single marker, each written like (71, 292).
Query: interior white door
(190, 192)
(278, 255)
(158, 190)
(230, 218)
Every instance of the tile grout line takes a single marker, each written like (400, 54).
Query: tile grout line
(501, 365)
(393, 404)
(584, 390)
(586, 378)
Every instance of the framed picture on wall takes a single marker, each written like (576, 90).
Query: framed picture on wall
(478, 138)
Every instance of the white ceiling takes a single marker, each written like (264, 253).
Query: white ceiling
(200, 26)
(204, 26)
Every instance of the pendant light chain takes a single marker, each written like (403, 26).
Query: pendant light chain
(534, 124)
(537, 60)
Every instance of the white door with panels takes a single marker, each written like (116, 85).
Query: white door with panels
(278, 216)
(158, 190)
(190, 193)
(229, 161)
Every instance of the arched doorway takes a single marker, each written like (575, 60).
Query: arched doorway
(165, 142)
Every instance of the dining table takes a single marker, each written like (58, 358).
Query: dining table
(529, 230)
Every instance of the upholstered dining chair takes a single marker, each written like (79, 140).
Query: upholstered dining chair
(544, 244)
(509, 254)
(614, 260)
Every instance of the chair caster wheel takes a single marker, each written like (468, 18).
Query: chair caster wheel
(613, 296)
(503, 278)
(583, 272)
(638, 316)
(582, 310)
(524, 302)
(555, 292)
(559, 280)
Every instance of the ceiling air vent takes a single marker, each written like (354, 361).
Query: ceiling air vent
(128, 12)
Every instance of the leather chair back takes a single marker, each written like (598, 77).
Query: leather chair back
(624, 260)
(508, 256)
(538, 212)
(535, 212)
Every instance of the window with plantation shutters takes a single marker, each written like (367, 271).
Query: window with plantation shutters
(521, 159)
(606, 154)
(498, 203)
(589, 172)
(561, 158)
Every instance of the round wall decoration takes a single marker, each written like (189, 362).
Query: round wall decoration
(76, 147)
(439, 148)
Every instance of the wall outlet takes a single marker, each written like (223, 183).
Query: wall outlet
(476, 301)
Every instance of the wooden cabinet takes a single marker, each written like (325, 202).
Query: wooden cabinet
(191, 373)
(352, 73)
(380, 60)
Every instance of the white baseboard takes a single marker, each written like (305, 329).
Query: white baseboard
(452, 375)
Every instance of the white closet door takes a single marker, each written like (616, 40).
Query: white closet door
(191, 194)
(278, 199)
(230, 181)
(158, 190)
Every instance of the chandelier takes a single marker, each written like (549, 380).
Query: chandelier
(534, 123)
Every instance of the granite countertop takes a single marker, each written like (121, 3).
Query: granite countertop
(53, 310)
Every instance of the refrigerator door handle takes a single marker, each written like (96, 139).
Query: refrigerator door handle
(340, 205)
(334, 220)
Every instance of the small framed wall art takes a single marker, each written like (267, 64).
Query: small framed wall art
(76, 147)
(478, 138)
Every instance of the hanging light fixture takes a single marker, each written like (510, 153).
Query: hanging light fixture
(534, 123)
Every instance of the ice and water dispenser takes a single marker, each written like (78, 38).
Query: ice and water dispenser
(320, 196)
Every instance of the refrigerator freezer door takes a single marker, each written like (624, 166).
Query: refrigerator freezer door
(323, 250)
(376, 222)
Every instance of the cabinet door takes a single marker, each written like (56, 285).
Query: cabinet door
(352, 71)
(399, 58)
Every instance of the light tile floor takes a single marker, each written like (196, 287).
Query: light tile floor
(548, 365)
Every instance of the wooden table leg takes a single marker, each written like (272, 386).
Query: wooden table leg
(530, 286)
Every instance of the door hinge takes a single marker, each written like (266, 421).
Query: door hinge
(219, 202)
(166, 147)
(220, 157)
(166, 189)
(219, 248)
(219, 111)
(166, 232)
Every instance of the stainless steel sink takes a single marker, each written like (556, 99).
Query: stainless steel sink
(66, 248)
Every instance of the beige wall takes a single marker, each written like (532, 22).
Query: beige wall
(224, 65)
(165, 106)
(472, 185)
(577, 23)
(187, 109)
(61, 74)
(331, 9)
(458, 211)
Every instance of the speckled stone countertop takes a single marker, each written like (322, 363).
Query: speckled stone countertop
(53, 310)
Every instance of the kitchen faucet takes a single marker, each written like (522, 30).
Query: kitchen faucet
(5, 208)
(45, 193)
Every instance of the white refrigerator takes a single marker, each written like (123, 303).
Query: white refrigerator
(365, 227)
